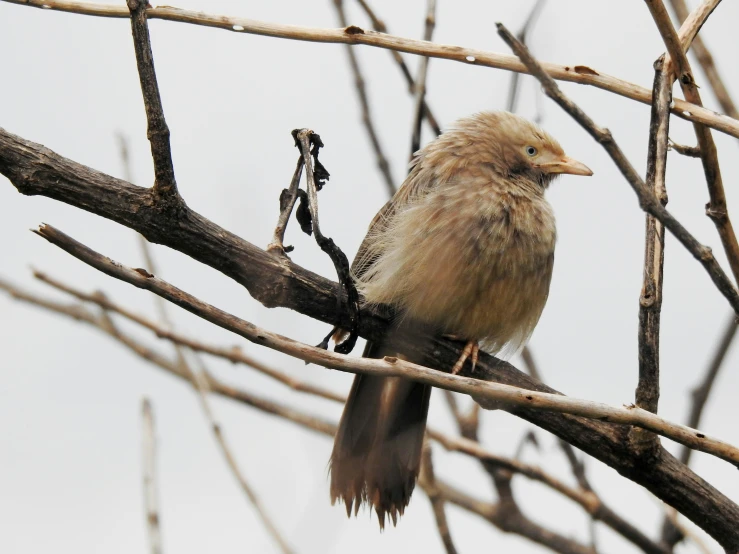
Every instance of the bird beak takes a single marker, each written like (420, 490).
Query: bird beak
(566, 165)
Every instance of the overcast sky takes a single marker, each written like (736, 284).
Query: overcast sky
(70, 461)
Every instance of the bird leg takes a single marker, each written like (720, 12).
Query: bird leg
(471, 350)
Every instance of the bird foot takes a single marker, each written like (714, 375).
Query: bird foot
(471, 350)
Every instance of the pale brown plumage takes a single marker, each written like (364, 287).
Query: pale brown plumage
(465, 247)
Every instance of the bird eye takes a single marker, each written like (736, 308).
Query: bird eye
(531, 151)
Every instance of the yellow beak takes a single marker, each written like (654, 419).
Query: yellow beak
(566, 165)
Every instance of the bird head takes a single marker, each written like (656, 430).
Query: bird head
(513, 147)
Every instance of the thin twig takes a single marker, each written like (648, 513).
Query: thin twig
(201, 383)
(690, 151)
(484, 392)
(513, 89)
(467, 423)
(151, 486)
(528, 361)
(288, 197)
(143, 243)
(369, 125)
(356, 35)
(702, 391)
(165, 186)
(232, 354)
(309, 144)
(716, 208)
(705, 59)
(427, 480)
(379, 26)
(589, 503)
(647, 200)
(421, 80)
(650, 299)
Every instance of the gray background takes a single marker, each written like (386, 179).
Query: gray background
(70, 469)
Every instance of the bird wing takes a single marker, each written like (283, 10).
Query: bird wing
(419, 182)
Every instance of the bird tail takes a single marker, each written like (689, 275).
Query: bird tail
(377, 449)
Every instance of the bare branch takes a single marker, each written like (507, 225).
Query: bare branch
(369, 125)
(201, 384)
(528, 359)
(716, 209)
(485, 393)
(309, 143)
(421, 80)
(232, 354)
(281, 283)
(287, 202)
(591, 503)
(151, 497)
(356, 35)
(165, 186)
(379, 26)
(650, 300)
(648, 201)
(427, 480)
(690, 151)
(701, 392)
(522, 34)
(705, 59)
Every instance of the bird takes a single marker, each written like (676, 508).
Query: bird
(465, 248)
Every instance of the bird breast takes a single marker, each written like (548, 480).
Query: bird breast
(473, 261)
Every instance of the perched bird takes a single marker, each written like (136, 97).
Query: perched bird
(464, 248)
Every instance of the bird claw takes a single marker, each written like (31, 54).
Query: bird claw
(471, 350)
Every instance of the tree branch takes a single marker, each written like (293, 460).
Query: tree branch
(356, 35)
(165, 186)
(487, 394)
(647, 200)
(369, 125)
(705, 59)
(716, 209)
(420, 85)
(278, 282)
(151, 497)
(585, 498)
(650, 300)
(379, 26)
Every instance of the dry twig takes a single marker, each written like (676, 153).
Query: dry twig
(379, 26)
(367, 120)
(427, 480)
(356, 35)
(301, 290)
(288, 197)
(648, 201)
(485, 393)
(420, 85)
(650, 300)
(716, 209)
(151, 496)
(165, 186)
(705, 59)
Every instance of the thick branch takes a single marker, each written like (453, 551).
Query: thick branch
(488, 395)
(36, 170)
(356, 35)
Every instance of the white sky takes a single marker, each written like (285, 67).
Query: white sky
(70, 470)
